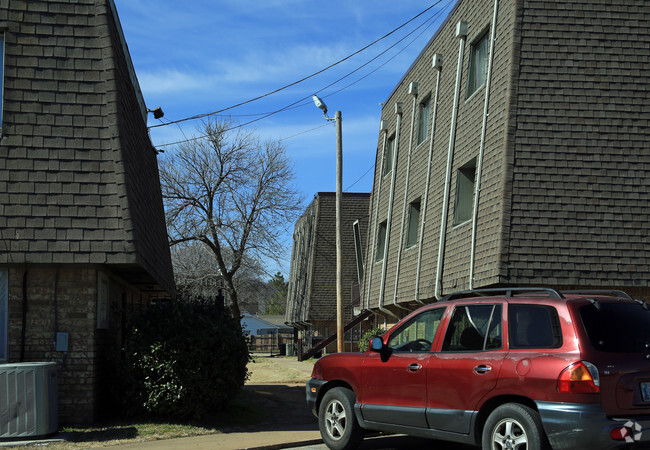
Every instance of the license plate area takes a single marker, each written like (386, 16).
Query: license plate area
(645, 391)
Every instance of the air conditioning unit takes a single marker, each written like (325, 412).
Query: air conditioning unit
(28, 400)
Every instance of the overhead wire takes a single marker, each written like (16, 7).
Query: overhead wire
(200, 116)
(299, 103)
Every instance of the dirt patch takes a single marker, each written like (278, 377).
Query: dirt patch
(284, 370)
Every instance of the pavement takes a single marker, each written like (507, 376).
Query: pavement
(277, 439)
(234, 441)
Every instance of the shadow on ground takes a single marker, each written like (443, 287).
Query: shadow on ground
(103, 435)
(284, 408)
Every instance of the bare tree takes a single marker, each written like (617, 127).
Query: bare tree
(232, 193)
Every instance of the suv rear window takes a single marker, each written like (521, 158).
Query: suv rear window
(617, 327)
(534, 326)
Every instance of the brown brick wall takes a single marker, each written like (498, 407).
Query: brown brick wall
(41, 312)
(65, 300)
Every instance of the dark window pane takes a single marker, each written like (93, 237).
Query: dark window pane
(617, 327)
(534, 326)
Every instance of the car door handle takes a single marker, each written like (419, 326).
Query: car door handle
(414, 367)
(483, 368)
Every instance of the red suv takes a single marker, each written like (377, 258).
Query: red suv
(502, 368)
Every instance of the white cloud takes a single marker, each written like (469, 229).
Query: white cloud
(280, 64)
(168, 81)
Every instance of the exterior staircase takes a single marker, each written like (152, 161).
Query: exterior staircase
(324, 343)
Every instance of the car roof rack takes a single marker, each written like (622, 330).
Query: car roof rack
(607, 292)
(506, 291)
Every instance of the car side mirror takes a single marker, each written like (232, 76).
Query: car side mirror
(376, 344)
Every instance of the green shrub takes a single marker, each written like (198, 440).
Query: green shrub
(183, 360)
(364, 342)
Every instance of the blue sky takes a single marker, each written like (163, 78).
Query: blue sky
(201, 56)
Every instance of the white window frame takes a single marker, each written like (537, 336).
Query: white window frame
(413, 226)
(389, 154)
(465, 184)
(358, 250)
(381, 241)
(478, 60)
(423, 120)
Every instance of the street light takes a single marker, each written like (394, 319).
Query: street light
(340, 334)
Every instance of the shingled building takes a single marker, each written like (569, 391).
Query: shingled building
(311, 299)
(529, 161)
(83, 238)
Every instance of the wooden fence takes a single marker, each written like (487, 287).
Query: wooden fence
(270, 343)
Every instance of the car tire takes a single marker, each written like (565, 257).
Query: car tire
(514, 426)
(337, 422)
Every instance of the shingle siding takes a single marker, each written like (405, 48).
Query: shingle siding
(580, 181)
(564, 183)
(312, 288)
(81, 213)
(75, 150)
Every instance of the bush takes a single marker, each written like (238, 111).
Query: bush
(183, 360)
(364, 342)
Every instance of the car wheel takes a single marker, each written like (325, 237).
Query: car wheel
(336, 420)
(513, 426)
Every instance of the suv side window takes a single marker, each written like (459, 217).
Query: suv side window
(474, 328)
(534, 326)
(418, 333)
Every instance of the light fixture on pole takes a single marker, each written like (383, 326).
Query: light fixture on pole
(157, 112)
(340, 334)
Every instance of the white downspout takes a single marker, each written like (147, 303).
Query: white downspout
(461, 33)
(479, 163)
(383, 127)
(413, 90)
(398, 111)
(437, 66)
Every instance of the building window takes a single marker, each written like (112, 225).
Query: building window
(4, 302)
(464, 205)
(381, 241)
(389, 154)
(423, 120)
(414, 223)
(478, 64)
(2, 77)
(358, 250)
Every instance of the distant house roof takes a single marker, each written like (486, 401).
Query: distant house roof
(254, 324)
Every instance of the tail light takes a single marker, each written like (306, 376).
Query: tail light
(579, 378)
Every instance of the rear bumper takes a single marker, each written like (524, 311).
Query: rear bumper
(580, 425)
(313, 391)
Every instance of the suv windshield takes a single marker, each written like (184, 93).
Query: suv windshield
(617, 327)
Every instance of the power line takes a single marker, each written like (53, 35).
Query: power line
(199, 116)
(359, 179)
(299, 103)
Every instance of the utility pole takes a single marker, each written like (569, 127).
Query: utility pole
(340, 333)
